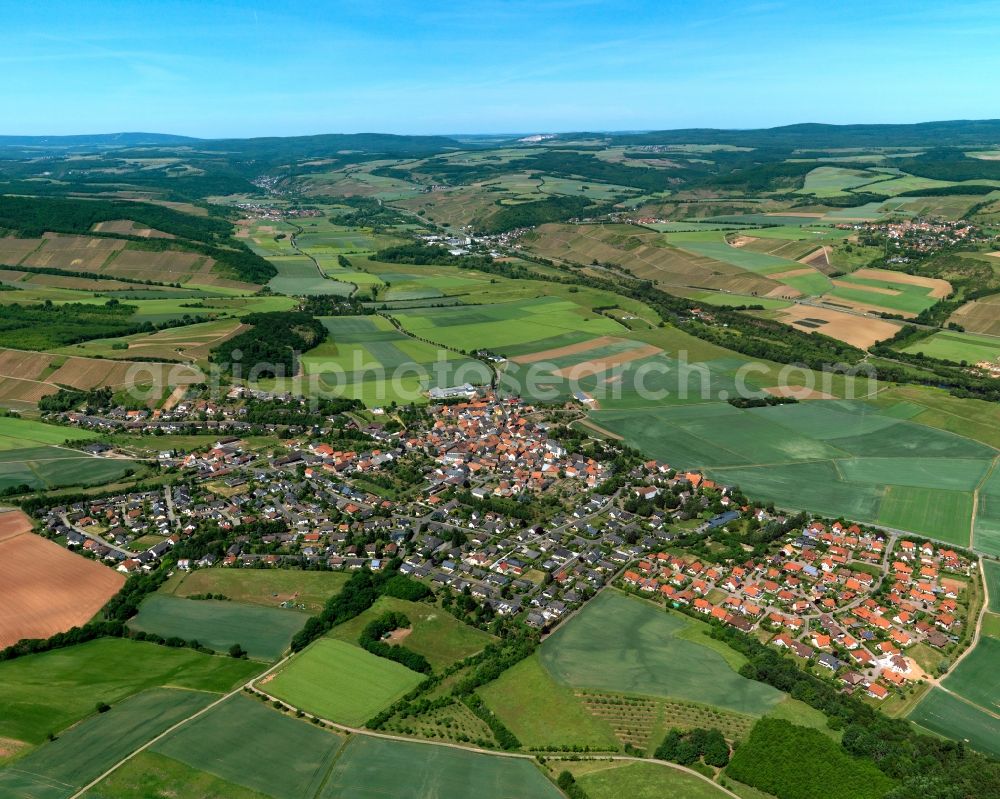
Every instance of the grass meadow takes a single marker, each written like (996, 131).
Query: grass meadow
(958, 347)
(541, 711)
(639, 781)
(218, 624)
(435, 633)
(618, 643)
(266, 587)
(341, 682)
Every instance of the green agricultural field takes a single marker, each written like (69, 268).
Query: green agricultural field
(640, 781)
(832, 181)
(48, 692)
(974, 678)
(906, 299)
(57, 769)
(298, 275)
(43, 467)
(153, 775)
(958, 347)
(341, 682)
(543, 712)
(367, 358)
(23, 433)
(738, 256)
(947, 715)
(986, 535)
(718, 298)
(498, 326)
(246, 742)
(189, 342)
(832, 457)
(305, 590)
(436, 634)
(946, 515)
(618, 643)
(992, 569)
(373, 768)
(263, 632)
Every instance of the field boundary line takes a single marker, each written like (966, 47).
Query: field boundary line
(975, 509)
(93, 783)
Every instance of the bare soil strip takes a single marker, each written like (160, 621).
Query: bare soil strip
(570, 349)
(598, 365)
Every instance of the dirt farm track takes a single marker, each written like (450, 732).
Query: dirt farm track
(45, 589)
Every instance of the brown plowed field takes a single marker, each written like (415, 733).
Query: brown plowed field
(46, 589)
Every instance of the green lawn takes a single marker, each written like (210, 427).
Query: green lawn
(643, 781)
(543, 712)
(48, 692)
(263, 632)
(436, 634)
(618, 643)
(248, 743)
(57, 769)
(373, 768)
(949, 716)
(341, 682)
(150, 775)
(267, 587)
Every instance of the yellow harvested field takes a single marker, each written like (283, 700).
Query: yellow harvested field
(939, 289)
(858, 331)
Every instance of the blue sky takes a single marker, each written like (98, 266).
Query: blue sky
(282, 68)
